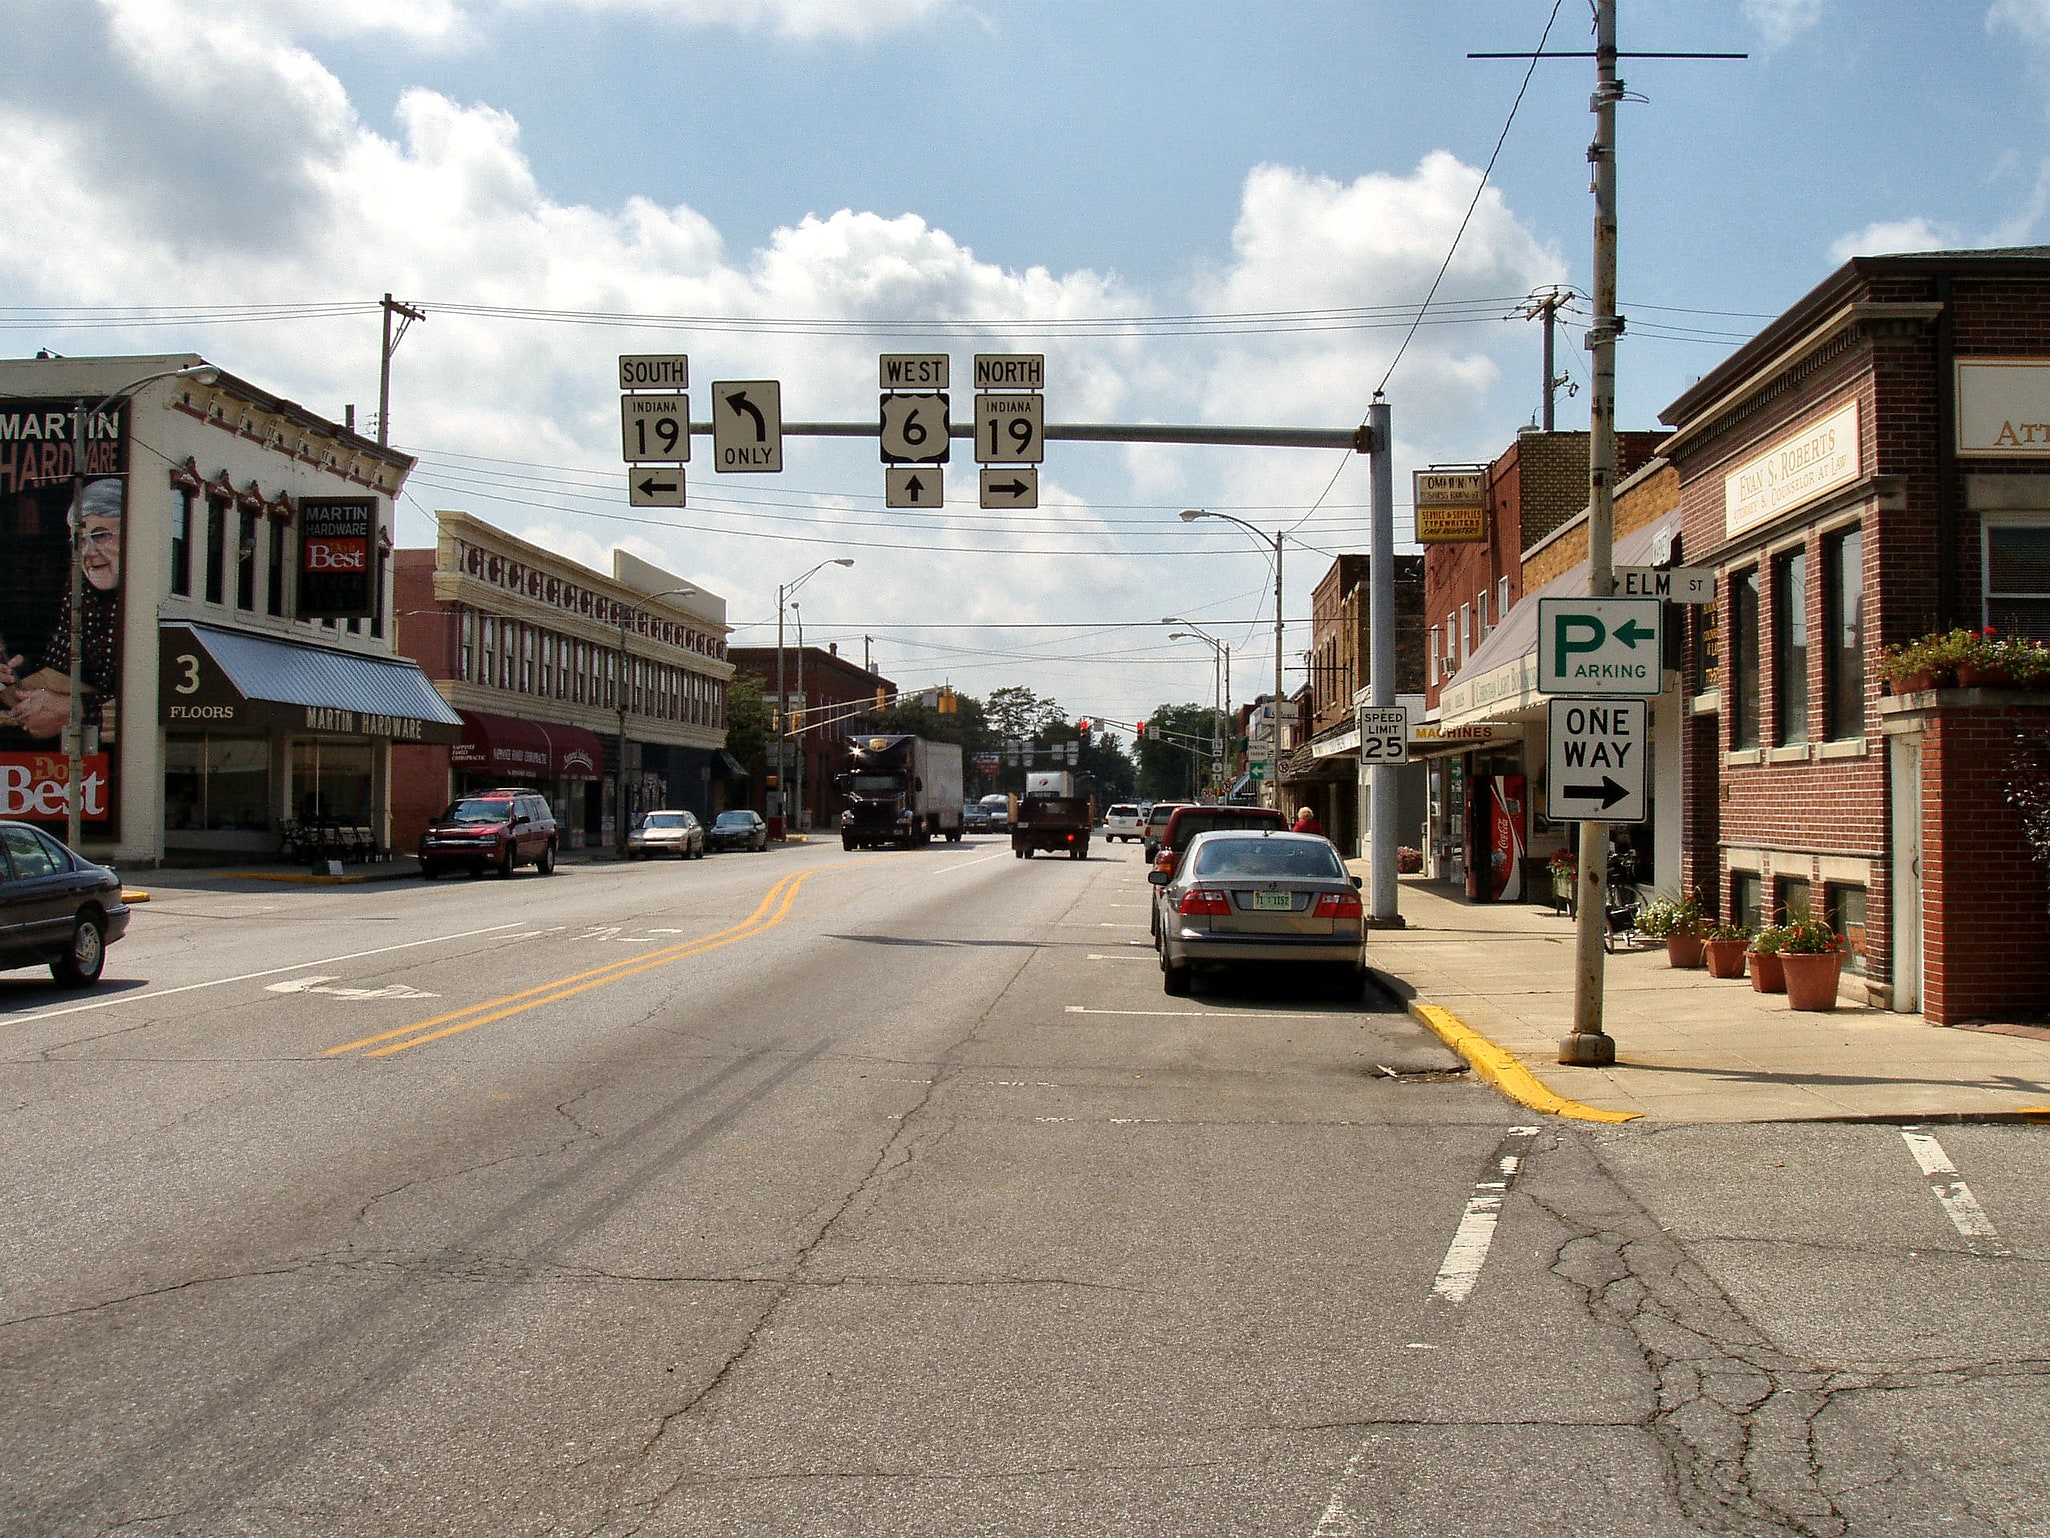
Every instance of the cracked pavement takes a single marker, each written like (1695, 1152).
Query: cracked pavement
(815, 1235)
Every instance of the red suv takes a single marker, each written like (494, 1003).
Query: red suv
(492, 830)
(1188, 821)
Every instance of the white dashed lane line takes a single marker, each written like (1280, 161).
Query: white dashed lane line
(1461, 1272)
(1959, 1205)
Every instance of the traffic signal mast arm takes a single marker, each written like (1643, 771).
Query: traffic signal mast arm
(1358, 439)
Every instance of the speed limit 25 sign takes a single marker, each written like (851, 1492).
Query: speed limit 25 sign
(1384, 734)
(915, 430)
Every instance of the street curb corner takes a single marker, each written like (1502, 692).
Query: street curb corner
(1503, 1069)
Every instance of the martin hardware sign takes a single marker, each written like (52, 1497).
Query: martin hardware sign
(1601, 646)
(335, 568)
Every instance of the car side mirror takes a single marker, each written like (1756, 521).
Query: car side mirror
(1358, 882)
(521, 818)
(1158, 877)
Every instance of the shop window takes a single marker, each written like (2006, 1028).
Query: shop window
(1708, 651)
(1790, 647)
(487, 658)
(1747, 896)
(1790, 898)
(216, 784)
(245, 560)
(1740, 702)
(181, 545)
(469, 654)
(216, 549)
(330, 781)
(380, 560)
(2018, 579)
(526, 660)
(1843, 591)
(274, 589)
(1844, 907)
(1501, 599)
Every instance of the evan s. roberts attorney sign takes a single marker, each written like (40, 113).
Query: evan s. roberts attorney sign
(1809, 462)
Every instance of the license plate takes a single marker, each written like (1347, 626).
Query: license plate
(1281, 901)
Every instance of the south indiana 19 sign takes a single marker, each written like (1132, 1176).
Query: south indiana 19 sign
(336, 571)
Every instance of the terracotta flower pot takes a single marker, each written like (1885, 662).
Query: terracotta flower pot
(1969, 677)
(1725, 957)
(1914, 683)
(1812, 979)
(1767, 976)
(1683, 950)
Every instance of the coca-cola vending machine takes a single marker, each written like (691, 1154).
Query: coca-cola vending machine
(1497, 831)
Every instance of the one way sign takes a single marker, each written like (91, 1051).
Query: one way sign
(1597, 765)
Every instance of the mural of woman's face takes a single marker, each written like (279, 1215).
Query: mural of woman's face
(100, 553)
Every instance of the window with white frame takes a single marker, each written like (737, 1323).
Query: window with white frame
(2017, 568)
(1501, 599)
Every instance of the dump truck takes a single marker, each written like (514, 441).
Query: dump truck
(1052, 816)
(900, 790)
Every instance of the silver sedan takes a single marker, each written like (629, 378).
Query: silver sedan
(666, 833)
(1243, 896)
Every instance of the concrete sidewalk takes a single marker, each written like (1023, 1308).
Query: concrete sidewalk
(1689, 1048)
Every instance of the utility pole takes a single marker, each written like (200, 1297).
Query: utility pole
(1590, 1046)
(1382, 788)
(407, 314)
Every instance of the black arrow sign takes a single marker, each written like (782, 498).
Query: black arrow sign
(739, 402)
(914, 488)
(1012, 489)
(651, 486)
(1608, 792)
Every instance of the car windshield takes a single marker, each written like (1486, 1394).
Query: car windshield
(664, 820)
(734, 820)
(478, 809)
(1265, 858)
(1209, 821)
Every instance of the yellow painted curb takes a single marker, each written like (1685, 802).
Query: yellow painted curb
(1503, 1069)
(135, 897)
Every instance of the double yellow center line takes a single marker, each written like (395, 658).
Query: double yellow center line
(774, 908)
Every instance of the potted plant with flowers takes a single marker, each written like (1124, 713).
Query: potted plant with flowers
(1679, 922)
(1724, 946)
(1813, 959)
(1565, 868)
(1763, 959)
(1931, 661)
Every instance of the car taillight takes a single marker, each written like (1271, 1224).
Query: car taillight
(1204, 902)
(1165, 861)
(1339, 905)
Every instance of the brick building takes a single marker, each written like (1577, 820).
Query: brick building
(1870, 468)
(1324, 772)
(830, 700)
(564, 679)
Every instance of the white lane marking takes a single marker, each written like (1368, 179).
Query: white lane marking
(1959, 1205)
(1098, 957)
(250, 977)
(319, 985)
(1204, 1014)
(1461, 1271)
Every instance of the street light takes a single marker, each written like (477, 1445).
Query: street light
(1220, 659)
(74, 620)
(1189, 514)
(626, 611)
(784, 594)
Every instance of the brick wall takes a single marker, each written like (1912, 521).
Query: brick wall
(1985, 903)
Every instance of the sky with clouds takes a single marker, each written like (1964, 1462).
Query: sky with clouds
(1201, 212)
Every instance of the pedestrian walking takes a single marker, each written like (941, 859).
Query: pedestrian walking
(1306, 822)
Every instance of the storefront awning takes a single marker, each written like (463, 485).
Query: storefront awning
(729, 766)
(1502, 674)
(211, 679)
(525, 750)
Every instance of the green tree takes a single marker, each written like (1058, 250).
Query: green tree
(1015, 711)
(1174, 760)
(747, 720)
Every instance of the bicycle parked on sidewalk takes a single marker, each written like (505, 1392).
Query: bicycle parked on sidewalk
(1625, 901)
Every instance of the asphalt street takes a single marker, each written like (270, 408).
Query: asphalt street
(819, 1193)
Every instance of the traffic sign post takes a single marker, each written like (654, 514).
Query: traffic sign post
(914, 430)
(1384, 734)
(914, 486)
(1595, 768)
(655, 429)
(1675, 584)
(654, 487)
(1010, 487)
(747, 426)
(1601, 646)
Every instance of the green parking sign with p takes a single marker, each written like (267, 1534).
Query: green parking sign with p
(1601, 646)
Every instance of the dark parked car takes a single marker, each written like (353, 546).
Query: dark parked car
(492, 830)
(737, 830)
(1253, 897)
(57, 908)
(974, 817)
(666, 833)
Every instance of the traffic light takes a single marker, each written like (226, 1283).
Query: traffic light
(882, 698)
(1139, 731)
(1082, 730)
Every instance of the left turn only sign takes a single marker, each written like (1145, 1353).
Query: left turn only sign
(747, 426)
